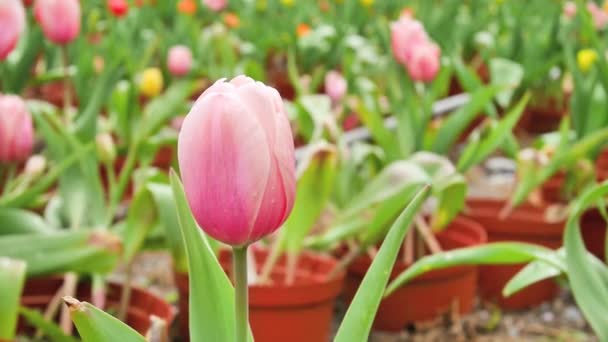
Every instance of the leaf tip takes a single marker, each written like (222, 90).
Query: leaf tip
(73, 304)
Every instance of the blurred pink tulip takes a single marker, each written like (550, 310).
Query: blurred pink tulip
(335, 85)
(12, 23)
(406, 33)
(425, 62)
(59, 19)
(16, 130)
(216, 5)
(236, 157)
(179, 60)
(600, 18)
(569, 9)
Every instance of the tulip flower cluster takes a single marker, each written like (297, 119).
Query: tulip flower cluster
(413, 48)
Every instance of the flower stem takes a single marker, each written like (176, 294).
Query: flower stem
(67, 96)
(239, 259)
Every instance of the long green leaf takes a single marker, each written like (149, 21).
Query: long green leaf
(360, 315)
(94, 325)
(590, 291)
(50, 329)
(19, 221)
(458, 121)
(493, 253)
(212, 316)
(12, 276)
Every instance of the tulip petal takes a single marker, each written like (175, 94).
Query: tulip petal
(225, 165)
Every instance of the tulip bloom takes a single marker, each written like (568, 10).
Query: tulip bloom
(585, 59)
(187, 7)
(569, 9)
(406, 34)
(600, 18)
(151, 82)
(59, 19)
(118, 8)
(179, 60)
(12, 21)
(216, 5)
(16, 130)
(236, 157)
(424, 63)
(335, 86)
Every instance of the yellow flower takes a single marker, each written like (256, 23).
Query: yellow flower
(367, 3)
(288, 3)
(151, 82)
(585, 59)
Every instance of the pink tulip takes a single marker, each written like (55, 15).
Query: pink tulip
(179, 60)
(59, 19)
(12, 23)
(406, 33)
(600, 18)
(424, 63)
(16, 130)
(569, 9)
(335, 85)
(216, 5)
(236, 157)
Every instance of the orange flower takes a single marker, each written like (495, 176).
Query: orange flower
(303, 30)
(187, 7)
(231, 20)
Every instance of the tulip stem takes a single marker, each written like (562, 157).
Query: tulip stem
(67, 96)
(239, 259)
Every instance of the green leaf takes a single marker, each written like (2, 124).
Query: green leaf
(508, 75)
(451, 192)
(474, 154)
(12, 276)
(141, 218)
(165, 204)
(360, 315)
(490, 254)
(458, 121)
(315, 185)
(94, 325)
(589, 288)
(19, 221)
(212, 316)
(51, 330)
(532, 273)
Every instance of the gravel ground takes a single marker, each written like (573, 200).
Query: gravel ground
(559, 320)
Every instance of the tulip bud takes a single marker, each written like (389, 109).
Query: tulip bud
(151, 82)
(335, 85)
(35, 165)
(216, 5)
(179, 60)
(425, 62)
(236, 157)
(12, 22)
(118, 8)
(600, 18)
(16, 130)
(106, 151)
(585, 59)
(406, 34)
(569, 9)
(59, 19)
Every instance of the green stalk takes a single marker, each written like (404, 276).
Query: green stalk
(67, 96)
(239, 259)
(12, 276)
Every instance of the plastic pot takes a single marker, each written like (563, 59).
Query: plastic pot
(432, 294)
(38, 292)
(525, 224)
(300, 312)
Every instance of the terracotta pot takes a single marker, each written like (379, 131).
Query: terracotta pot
(38, 292)
(601, 165)
(525, 224)
(279, 312)
(593, 229)
(431, 294)
(593, 225)
(544, 117)
(182, 284)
